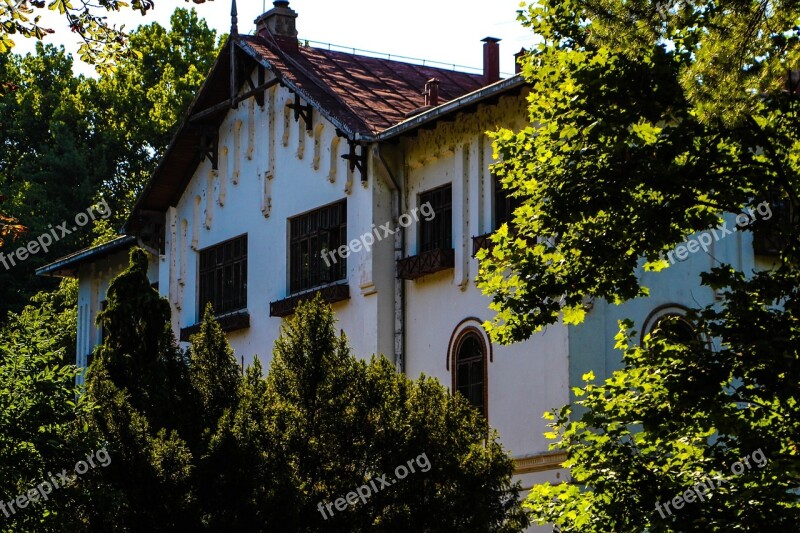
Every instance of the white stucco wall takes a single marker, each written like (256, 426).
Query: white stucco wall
(283, 171)
(524, 379)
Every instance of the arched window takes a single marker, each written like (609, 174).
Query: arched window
(670, 320)
(470, 369)
(676, 328)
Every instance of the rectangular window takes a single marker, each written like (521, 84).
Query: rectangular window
(223, 276)
(437, 233)
(312, 235)
(504, 204)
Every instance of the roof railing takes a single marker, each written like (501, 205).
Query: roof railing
(394, 57)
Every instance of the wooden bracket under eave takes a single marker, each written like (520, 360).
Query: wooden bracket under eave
(209, 146)
(300, 110)
(357, 160)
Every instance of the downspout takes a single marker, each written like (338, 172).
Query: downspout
(399, 248)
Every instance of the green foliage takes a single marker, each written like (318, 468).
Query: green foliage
(40, 411)
(334, 422)
(141, 379)
(239, 470)
(652, 120)
(194, 446)
(141, 103)
(214, 374)
(624, 163)
(69, 141)
(49, 169)
(140, 354)
(733, 51)
(677, 415)
(104, 44)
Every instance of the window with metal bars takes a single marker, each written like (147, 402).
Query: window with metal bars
(223, 276)
(437, 233)
(469, 367)
(312, 236)
(504, 203)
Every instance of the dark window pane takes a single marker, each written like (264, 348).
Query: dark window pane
(223, 276)
(437, 233)
(675, 328)
(504, 204)
(312, 235)
(469, 371)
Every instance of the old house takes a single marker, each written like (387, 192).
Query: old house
(290, 153)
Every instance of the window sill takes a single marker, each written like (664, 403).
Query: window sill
(425, 263)
(329, 293)
(232, 321)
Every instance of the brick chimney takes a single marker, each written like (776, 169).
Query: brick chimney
(432, 92)
(279, 22)
(517, 58)
(491, 60)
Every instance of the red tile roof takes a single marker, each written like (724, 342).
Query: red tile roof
(369, 94)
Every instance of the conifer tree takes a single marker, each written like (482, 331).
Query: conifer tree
(335, 422)
(239, 466)
(140, 353)
(215, 376)
(140, 380)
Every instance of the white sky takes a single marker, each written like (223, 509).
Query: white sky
(440, 30)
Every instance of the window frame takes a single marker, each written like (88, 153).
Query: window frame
(239, 302)
(461, 338)
(319, 274)
(663, 312)
(426, 242)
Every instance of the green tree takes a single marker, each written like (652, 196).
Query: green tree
(140, 379)
(140, 353)
(214, 374)
(40, 412)
(70, 141)
(103, 43)
(51, 164)
(651, 122)
(140, 104)
(335, 422)
(238, 469)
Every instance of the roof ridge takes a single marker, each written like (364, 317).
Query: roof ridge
(313, 78)
(389, 57)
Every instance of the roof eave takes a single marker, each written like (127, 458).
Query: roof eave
(452, 106)
(178, 132)
(62, 267)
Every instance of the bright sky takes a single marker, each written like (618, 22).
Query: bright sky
(442, 30)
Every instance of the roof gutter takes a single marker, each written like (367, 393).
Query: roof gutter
(445, 109)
